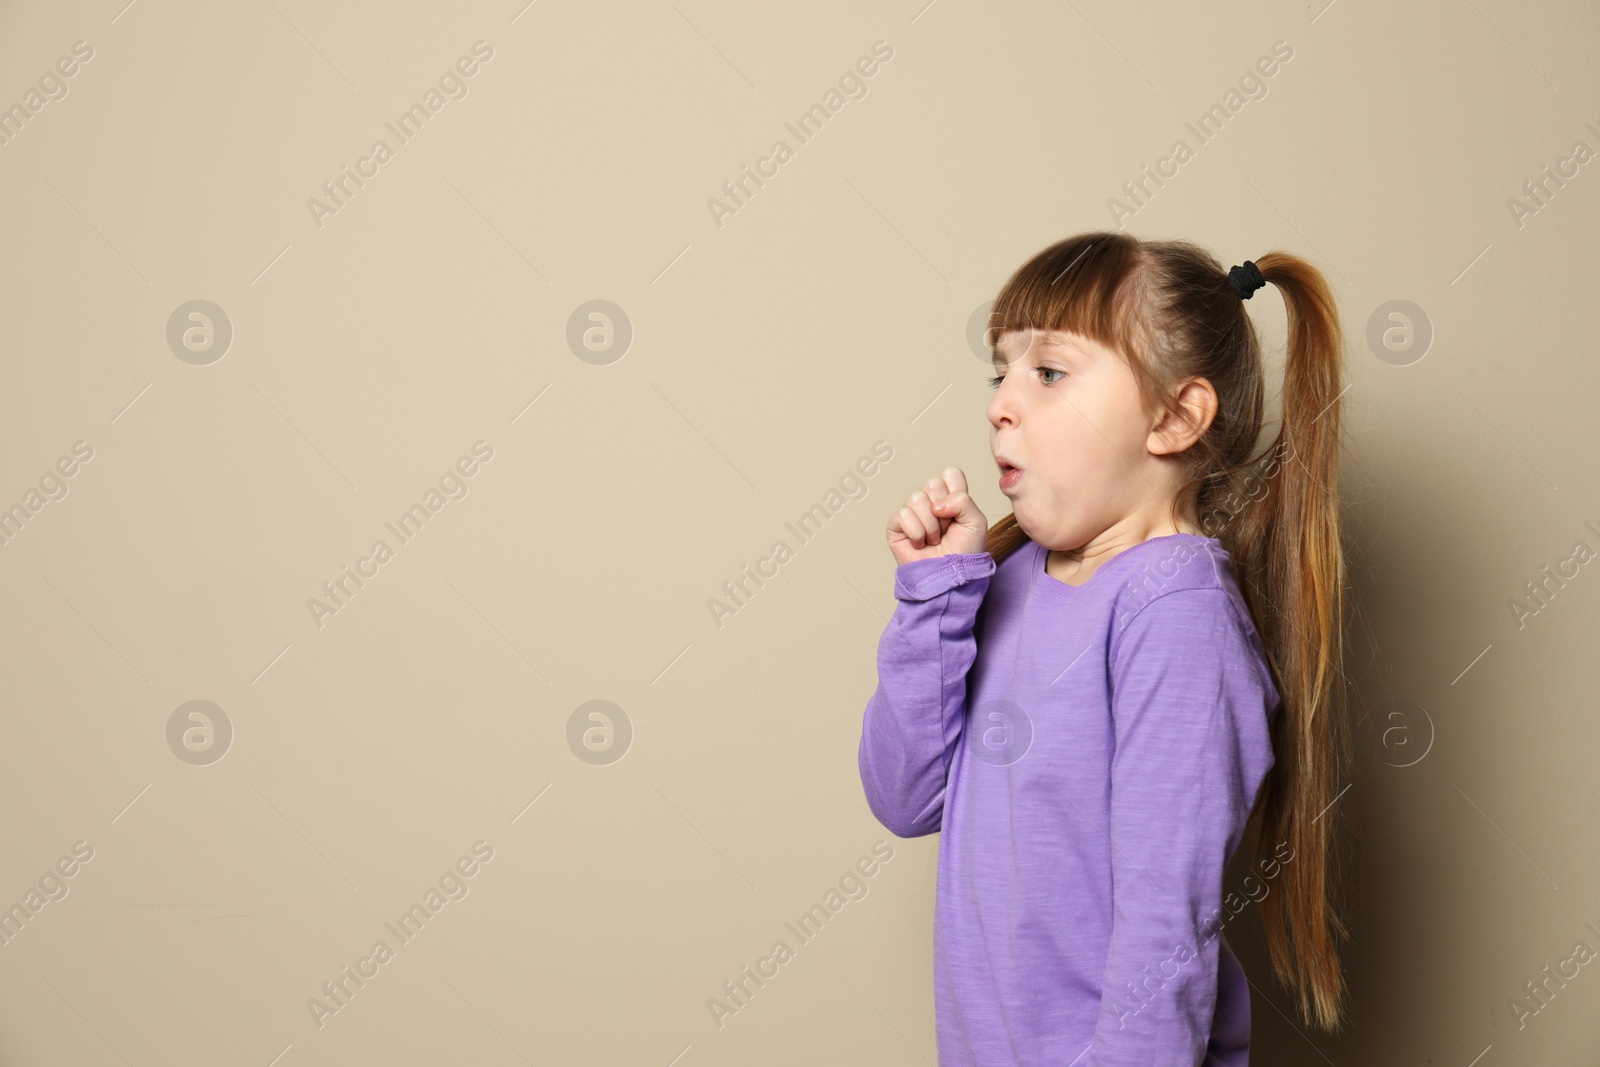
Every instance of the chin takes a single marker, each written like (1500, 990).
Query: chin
(1026, 523)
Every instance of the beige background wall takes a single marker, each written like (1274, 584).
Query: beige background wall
(370, 751)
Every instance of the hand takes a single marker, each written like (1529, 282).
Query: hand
(939, 519)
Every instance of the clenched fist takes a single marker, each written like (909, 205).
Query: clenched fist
(939, 519)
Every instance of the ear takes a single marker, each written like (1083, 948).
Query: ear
(1197, 404)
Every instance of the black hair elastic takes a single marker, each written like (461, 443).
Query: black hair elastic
(1246, 279)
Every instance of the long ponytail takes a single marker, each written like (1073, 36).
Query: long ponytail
(1288, 549)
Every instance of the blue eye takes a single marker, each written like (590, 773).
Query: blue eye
(994, 383)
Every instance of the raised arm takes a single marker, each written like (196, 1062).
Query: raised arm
(913, 721)
(1190, 705)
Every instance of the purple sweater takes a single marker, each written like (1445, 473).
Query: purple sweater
(1091, 755)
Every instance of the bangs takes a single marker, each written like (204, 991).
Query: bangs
(1082, 285)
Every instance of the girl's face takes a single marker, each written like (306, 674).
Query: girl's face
(1067, 412)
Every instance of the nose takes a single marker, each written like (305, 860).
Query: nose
(1002, 411)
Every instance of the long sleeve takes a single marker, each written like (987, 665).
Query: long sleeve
(1191, 703)
(913, 720)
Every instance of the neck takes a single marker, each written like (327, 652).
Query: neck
(1133, 530)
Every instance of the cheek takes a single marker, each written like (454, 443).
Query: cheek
(1118, 426)
(1092, 452)
(1089, 437)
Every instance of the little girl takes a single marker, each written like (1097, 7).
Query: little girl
(1089, 698)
